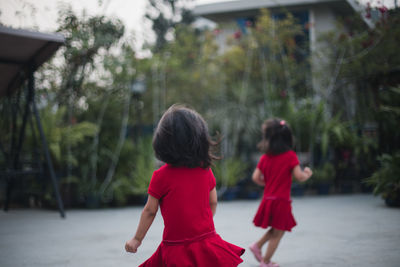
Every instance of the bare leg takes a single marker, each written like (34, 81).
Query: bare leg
(275, 238)
(264, 239)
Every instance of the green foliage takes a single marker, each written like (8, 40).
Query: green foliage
(258, 78)
(122, 187)
(59, 135)
(312, 126)
(386, 180)
(308, 123)
(325, 173)
(83, 94)
(166, 16)
(341, 135)
(122, 190)
(229, 171)
(144, 166)
(366, 62)
(389, 118)
(262, 73)
(86, 38)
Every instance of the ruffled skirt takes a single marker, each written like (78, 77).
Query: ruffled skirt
(275, 212)
(209, 250)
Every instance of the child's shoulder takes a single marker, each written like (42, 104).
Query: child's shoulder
(289, 154)
(286, 154)
(161, 169)
(171, 168)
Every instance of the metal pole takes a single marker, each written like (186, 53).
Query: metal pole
(9, 188)
(24, 120)
(16, 148)
(48, 158)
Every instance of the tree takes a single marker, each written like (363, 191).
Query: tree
(165, 16)
(89, 83)
(369, 69)
(261, 77)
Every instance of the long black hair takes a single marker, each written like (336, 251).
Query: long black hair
(182, 139)
(277, 137)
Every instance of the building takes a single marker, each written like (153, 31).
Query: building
(319, 15)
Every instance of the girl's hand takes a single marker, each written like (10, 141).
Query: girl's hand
(301, 175)
(258, 177)
(308, 172)
(146, 219)
(132, 245)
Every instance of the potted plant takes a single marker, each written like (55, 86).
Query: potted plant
(386, 180)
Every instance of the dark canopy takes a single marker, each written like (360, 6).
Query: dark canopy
(22, 52)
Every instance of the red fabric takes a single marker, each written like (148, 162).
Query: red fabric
(184, 197)
(210, 252)
(275, 209)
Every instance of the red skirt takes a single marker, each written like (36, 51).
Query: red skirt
(208, 250)
(275, 212)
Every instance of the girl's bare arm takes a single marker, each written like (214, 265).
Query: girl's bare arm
(213, 200)
(301, 175)
(146, 219)
(258, 177)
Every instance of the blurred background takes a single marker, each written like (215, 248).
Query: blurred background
(331, 69)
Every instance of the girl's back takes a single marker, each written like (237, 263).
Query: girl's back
(184, 200)
(277, 172)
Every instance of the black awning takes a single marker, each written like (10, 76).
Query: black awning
(22, 52)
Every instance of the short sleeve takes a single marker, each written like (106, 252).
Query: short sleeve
(261, 162)
(156, 188)
(293, 160)
(211, 180)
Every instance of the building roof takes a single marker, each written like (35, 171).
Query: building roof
(232, 6)
(225, 10)
(22, 52)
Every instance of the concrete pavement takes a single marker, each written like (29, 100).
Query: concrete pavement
(341, 230)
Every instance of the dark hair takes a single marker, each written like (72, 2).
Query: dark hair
(277, 137)
(182, 139)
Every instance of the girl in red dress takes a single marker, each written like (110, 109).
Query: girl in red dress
(274, 171)
(184, 189)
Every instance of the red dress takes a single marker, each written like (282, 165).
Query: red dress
(275, 209)
(189, 237)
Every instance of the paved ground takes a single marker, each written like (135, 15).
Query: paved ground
(352, 230)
